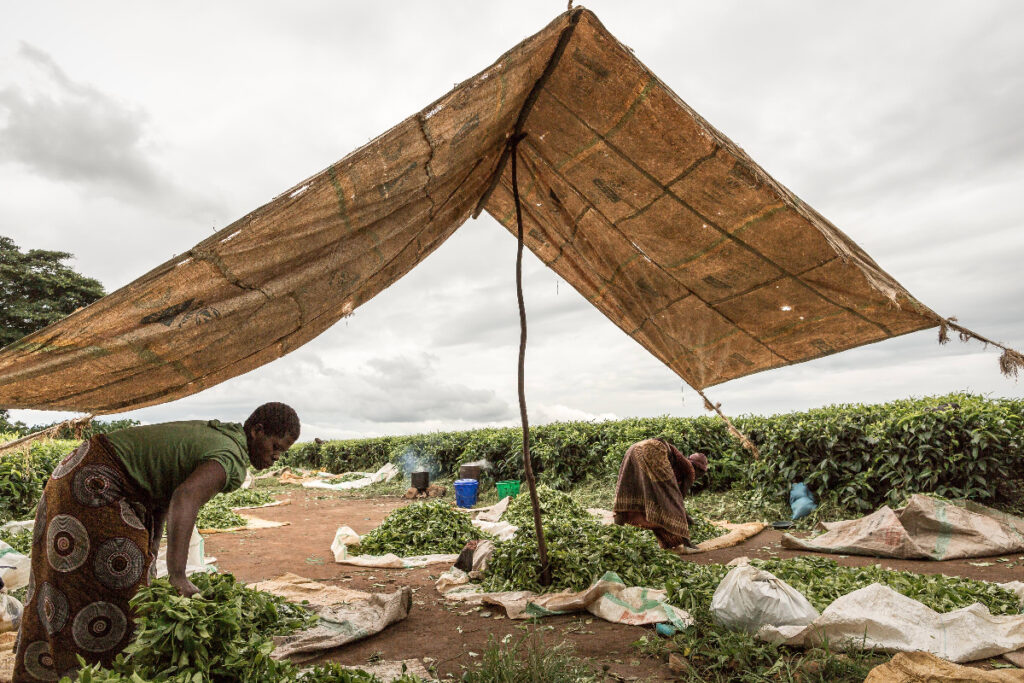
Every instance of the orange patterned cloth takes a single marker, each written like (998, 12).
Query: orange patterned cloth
(90, 555)
(653, 480)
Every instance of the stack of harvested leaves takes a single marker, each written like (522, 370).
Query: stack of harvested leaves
(554, 504)
(245, 498)
(580, 551)
(217, 514)
(225, 636)
(703, 530)
(821, 580)
(420, 529)
(348, 476)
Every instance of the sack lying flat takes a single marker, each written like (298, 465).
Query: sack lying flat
(926, 529)
(877, 617)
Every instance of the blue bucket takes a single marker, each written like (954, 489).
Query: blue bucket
(465, 492)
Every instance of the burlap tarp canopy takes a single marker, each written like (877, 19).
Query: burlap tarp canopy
(650, 213)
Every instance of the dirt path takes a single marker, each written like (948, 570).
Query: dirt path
(434, 629)
(452, 635)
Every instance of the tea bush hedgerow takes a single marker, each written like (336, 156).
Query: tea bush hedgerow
(861, 456)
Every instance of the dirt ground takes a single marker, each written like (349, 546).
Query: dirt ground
(452, 635)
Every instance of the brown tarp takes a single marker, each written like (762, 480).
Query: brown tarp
(649, 212)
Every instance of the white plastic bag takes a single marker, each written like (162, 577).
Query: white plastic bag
(748, 598)
(10, 613)
(197, 560)
(14, 567)
(343, 538)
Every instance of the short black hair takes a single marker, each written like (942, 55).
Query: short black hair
(278, 419)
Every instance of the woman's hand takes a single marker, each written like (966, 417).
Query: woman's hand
(184, 587)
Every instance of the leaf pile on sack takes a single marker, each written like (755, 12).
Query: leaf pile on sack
(703, 530)
(579, 552)
(244, 498)
(580, 549)
(217, 514)
(822, 580)
(224, 636)
(433, 527)
(553, 503)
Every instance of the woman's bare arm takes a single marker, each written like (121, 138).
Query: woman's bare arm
(203, 484)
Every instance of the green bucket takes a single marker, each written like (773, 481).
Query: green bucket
(507, 488)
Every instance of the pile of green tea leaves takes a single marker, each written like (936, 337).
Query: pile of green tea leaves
(703, 530)
(821, 580)
(19, 540)
(420, 529)
(226, 635)
(245, 498)
(579, 552)
(348, 476)
(553, 503)
(329, 672)
(217, 514)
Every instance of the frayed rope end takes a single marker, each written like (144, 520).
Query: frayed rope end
(1011, 363)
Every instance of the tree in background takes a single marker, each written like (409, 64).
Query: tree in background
(8, 427)
(37, 289)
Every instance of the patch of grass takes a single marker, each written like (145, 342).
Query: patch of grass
(529, 660)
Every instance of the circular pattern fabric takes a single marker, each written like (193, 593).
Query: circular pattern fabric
(40, 524)
(67, 543)
(69, 463)
(119, 563)
(31, 590)
(131, 516)
(96, 485)
(39, 661)
(52, 608)
(99, 626)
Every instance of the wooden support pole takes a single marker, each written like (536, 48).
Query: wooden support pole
(531, 482)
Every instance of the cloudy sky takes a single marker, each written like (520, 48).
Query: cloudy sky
(130, 131)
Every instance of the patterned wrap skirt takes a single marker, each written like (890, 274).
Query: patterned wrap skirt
(90, 555)
(648, 493)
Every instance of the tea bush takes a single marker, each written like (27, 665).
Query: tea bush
(23, 473)
(860, 456)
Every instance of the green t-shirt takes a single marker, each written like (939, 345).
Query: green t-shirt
(160, 457)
